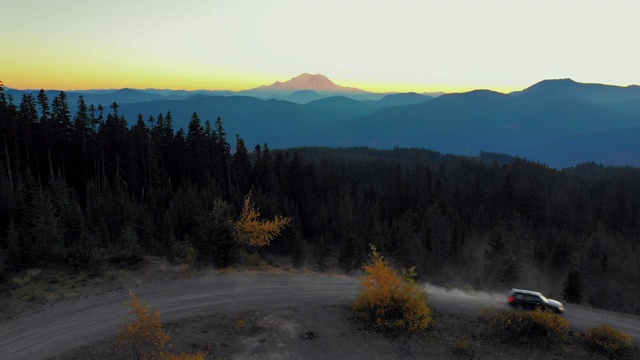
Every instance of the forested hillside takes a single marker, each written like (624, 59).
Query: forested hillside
(89, 190)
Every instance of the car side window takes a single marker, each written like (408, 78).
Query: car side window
(533, 298)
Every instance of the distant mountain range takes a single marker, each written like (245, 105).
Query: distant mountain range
(557, 122)
(487, 121)
(597, 93)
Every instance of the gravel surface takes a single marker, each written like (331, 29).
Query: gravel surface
(270, 316)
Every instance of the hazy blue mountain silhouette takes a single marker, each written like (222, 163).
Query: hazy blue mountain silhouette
(598, 93)
(305, 96)
(617, 147)
(629, 107)
(302, 96)
(399, 99)
(533, 124)
(106, 97)
(479, 120)
(342, 107)
(121, 96)
(96, 97)
(72, 97)
(559, 122)
(256, 120)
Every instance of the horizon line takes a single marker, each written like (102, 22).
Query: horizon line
(458, 89)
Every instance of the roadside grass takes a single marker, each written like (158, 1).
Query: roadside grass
(538, 327)
(608, 340)
(544, 328)
(462, 347)
(34, 288)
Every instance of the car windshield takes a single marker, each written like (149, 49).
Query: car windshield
(544, 298)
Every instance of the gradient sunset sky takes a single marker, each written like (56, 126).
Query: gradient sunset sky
(381, 46)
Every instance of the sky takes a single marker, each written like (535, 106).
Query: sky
(378, 46)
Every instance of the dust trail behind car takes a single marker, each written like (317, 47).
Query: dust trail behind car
(456, 300)
(470, 302)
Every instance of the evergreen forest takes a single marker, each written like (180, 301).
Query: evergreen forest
(85, 190)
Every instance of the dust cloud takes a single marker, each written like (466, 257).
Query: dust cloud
(466, 296)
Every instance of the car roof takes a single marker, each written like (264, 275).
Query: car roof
(525, 292)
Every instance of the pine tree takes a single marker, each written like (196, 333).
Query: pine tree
(510, 271)
(410, 246)
(46, 236)
(129, 242)
(241, 167)
(213, 236)
(496, 246)
(3, 96)
(222, 157)
(296, 248)
(82, 127)
(45, 109)
(196, 161)
(322, 253)
(348, 258)
(15, 251)
(62, 117)
(28, 120)
(572, 287)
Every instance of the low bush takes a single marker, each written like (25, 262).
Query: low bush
(526, 327)
(253, 261)
(143, 337)
(390, 301)
(607, 339)
(462, 347)
(183, 252)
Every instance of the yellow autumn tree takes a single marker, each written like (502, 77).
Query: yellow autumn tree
(252, 231)
(390, 300)
(143, 336)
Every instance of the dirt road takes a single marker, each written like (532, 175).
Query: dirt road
(74, 323)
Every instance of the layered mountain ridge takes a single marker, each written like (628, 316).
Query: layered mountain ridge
(558, 122)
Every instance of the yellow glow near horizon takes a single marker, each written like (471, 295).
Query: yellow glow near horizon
(58, 78)
(375, 45)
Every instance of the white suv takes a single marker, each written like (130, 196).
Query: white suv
(526, 299)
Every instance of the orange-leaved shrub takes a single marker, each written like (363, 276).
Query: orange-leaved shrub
(526, 327)
(389, 300)
(255, 232)
(607, 339)
(143, 336)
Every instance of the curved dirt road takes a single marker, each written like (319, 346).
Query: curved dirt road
(74, 323)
